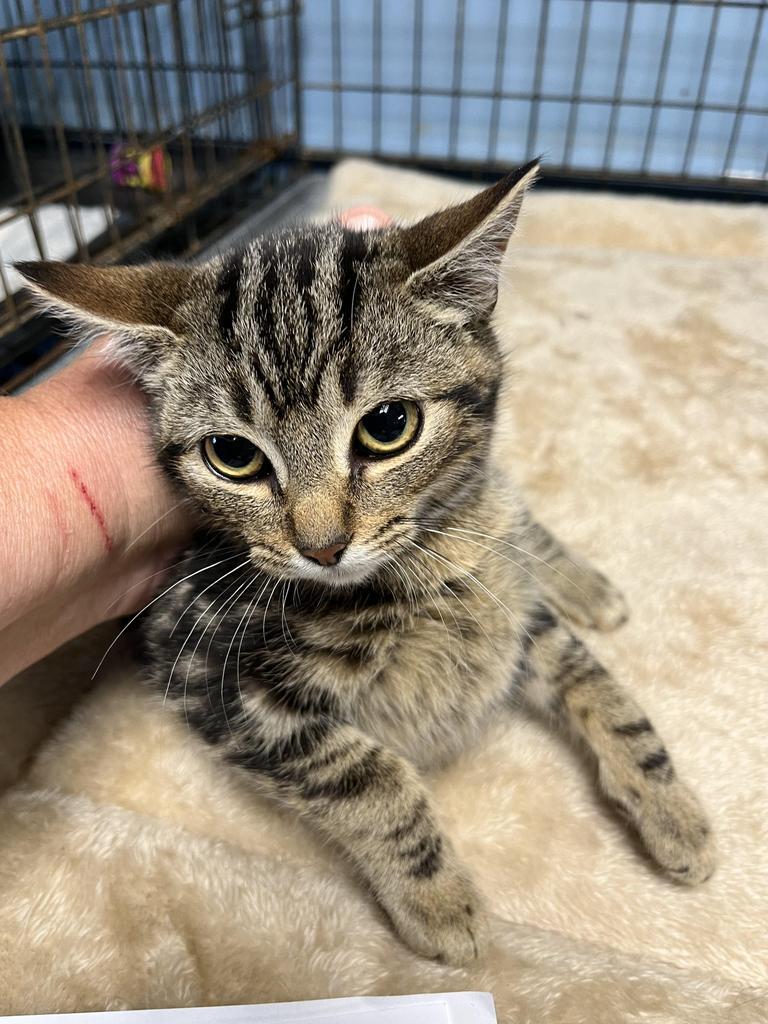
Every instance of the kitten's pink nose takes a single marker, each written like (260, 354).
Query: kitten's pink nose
(325, 556)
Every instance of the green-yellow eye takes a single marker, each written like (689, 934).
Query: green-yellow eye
(389, 428)
(234, 457)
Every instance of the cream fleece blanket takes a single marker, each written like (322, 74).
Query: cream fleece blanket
(133, 873)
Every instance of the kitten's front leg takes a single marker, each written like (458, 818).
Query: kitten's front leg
(370, 803)
(560, 676)
(581, 593)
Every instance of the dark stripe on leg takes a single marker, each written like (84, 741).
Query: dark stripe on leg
(428, 856)
(351, 782)
(658, 759)
(633, 728)
(541, 621)
(404, 830)
(275, 759)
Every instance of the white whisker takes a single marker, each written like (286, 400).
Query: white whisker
(254, 604)
(203, 591)
(510, 614)
(523, 551)
(266, 609)
(154, 601)
(465, 606)
(226, 656)
(144, 579)
(221, 614)
(283, 621)
(199, 641)
(197, 620)
(156, 521)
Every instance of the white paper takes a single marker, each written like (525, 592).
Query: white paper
(438, 1008)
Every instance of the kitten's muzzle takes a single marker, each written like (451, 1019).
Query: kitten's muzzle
(330, 555)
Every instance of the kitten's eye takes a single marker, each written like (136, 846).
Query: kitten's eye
(389, 428)
(233, 457)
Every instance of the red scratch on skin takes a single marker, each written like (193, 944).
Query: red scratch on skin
(93, 508)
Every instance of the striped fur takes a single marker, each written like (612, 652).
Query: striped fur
(333, 687)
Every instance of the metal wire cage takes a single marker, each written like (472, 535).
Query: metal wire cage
(144, 126)
(669, 94)
(124, 122)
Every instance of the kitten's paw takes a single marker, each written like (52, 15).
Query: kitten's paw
(610, 611)
(589, 599)
(441, 918)
(676, 832)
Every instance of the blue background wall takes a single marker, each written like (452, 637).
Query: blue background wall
(733, 30)
(481, 127)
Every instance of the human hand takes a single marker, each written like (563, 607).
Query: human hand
(89, 520)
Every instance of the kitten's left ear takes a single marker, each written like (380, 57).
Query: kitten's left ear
(138, 306)
(455, 255)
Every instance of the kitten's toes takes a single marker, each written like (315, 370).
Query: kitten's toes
(676, 832)
(611, 609)
(590, 600)
(441, 918)
(457, 942)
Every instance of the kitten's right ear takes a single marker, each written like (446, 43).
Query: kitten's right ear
(138, 307)
(455, 255)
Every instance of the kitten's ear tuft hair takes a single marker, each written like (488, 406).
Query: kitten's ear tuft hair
(455, 255)
(137, 306)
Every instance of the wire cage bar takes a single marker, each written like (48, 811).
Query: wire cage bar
(134, 127)
(666, 94)
(120, 121)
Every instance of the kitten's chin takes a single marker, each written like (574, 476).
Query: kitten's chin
(354, 568)
(338, 577)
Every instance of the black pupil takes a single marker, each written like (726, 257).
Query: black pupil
(386, 423)
(233, 451)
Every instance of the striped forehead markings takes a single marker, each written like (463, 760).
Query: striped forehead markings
(355, 250)
(228, 288)
(322, 277)
(357, 247)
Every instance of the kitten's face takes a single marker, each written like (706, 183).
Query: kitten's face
(325, 395)
(359, 411)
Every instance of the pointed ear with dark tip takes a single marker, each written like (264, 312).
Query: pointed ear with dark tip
(137, 306)
(455, 255)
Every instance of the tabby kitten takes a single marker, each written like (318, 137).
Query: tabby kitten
(370, 591)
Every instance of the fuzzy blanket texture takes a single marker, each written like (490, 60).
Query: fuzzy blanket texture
(134, 873)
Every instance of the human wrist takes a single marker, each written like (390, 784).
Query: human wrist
(84, 468)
